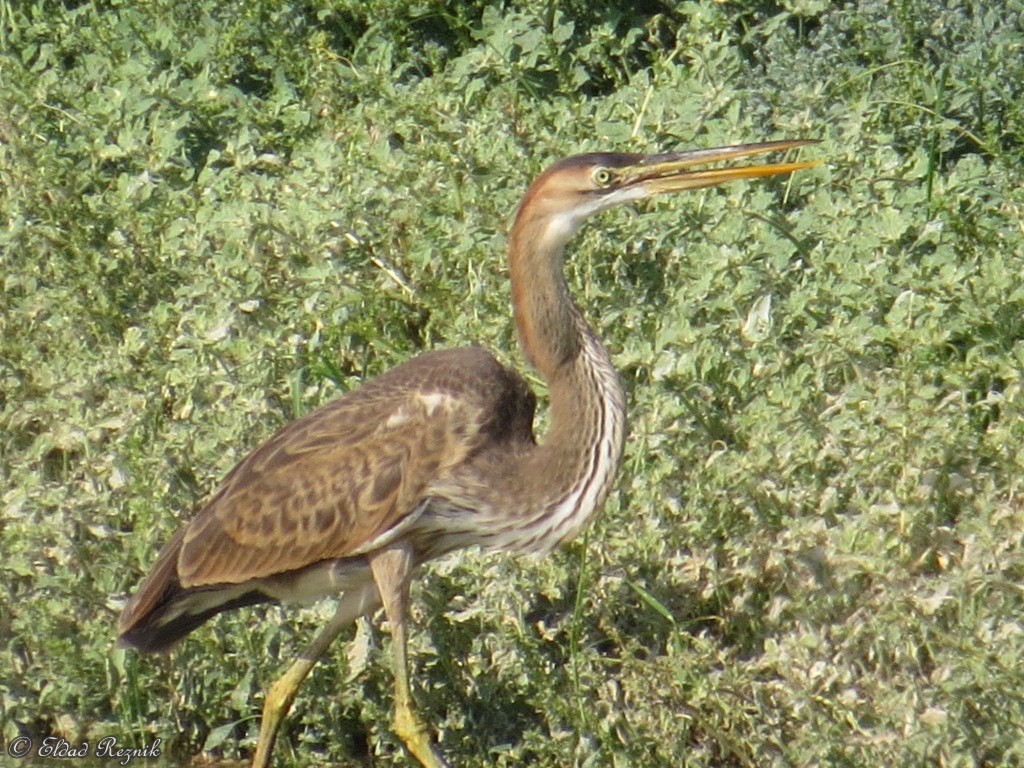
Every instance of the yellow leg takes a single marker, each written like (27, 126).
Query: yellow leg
(392, 570)
(281, 694)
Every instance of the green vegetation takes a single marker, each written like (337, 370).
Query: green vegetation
(219, 215)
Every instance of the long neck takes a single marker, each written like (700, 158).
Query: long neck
(574, 466)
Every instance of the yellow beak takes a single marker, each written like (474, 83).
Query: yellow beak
(675, 171)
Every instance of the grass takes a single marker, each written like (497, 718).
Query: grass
(219, 216)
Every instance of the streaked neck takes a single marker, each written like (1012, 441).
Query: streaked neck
(582, 449)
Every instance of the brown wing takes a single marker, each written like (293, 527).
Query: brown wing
(329, 484)
(332, 482)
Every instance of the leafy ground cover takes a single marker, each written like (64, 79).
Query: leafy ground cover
(217, 216)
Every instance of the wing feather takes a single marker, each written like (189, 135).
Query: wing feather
(337, 483)
(330, 483)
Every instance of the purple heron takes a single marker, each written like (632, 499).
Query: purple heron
(435, 455)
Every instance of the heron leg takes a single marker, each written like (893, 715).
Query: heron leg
(392, 570)
(281, 694)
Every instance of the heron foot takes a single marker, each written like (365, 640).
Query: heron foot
(416, 737)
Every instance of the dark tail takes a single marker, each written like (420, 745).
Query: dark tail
(161, 611)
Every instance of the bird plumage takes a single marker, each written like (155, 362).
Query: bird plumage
(435, 455)
(294, 519)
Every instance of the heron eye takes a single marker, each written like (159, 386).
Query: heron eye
(602, 177)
